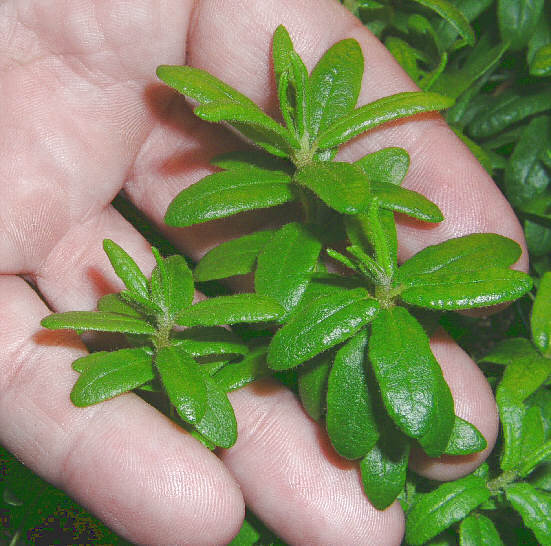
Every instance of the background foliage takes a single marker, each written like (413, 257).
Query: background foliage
(494, 58)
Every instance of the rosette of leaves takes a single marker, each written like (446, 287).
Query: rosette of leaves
(187, 365)
(319, 115)
(367, 361)
(488, 503)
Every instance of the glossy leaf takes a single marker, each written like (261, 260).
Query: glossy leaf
(511, 415)
(325, 322)
(406, 55)
(204, 341)
(389, 165)
(285, 263)
(384, 467)
(406, 370)
(112, 303)
(534, 507)
(436, 440)
(235, 257)
(478, 530)
(526, 176)
(253, 123)
(172, 284)
(238, 374)
(465, 290)
(184, 383)
(465, 439)
(540, 319)
(350, 419)
(229, 192)
(107, 374)
(282, 48)
(341, 186)
(437, 510)
(218, 424)
(312, 384)
(381, 111)
(517, 20)
(462, 254)
(102, 321)
(334, 85)
(410, 203)
(126, 269)
(231, 310)
(509, 110)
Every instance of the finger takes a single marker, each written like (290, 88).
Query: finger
(145, 477)
(307, 492)
(474, 402)
(442, 167)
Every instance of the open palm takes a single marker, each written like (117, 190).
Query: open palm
(83, 118)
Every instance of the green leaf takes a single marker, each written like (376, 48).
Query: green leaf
(218, 424)
(102, 321)
(526, 176)
(536, 456)
(482, 60)
(523, 376)
(517, 20)
(470, 253)
(203, 341)
(453, 16)
(540, 319)
(231, 310)
(285, 264)
(226, 193)
(465, 290)
(411, 203)
(384, 468)
(334, 85)
(112, 303)
(406, 370)
(465, 439)
(282, 49)
(238, 374)
(436, 440)
(389, 165)
(508, 351)
(251, 159)
(406, 55)
(541, 478)
(534, 507)
(126, 269)
(312, 384)
(341, 186)
(184, 383)
(381, 111)
(200, 85)
(350, 420)
(172, 284)
(235, 257)
(107, 374)
(511, 415)
(325, 322)
(508, 110)
(250, 120)
(437, 510)
(478, 530)
(541, 63)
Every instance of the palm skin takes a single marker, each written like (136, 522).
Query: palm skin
(83, 118)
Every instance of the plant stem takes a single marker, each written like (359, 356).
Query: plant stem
(503, 480)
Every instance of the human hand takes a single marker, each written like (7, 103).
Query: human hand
(84, 118)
